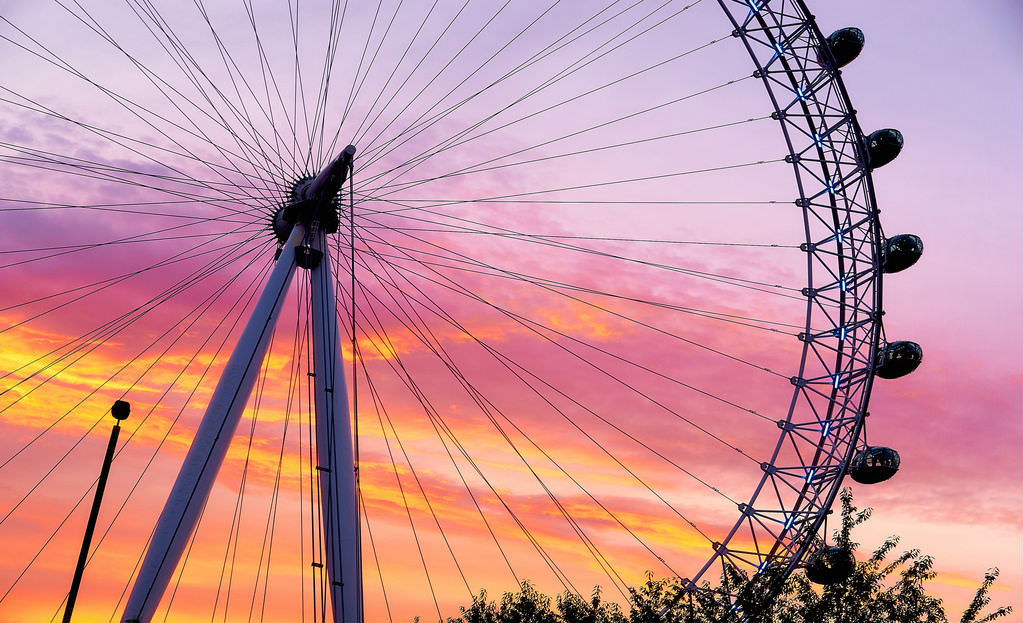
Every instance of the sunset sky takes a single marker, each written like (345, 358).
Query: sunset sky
(577, 289)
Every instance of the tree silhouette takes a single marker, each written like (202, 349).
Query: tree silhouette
(879, 589)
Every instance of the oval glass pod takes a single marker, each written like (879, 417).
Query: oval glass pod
(883, 146)
(898, 359)
(902, 251)
(845, 44)
(874, 464)
(831, 565)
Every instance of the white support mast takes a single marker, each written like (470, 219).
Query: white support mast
(302, 223)
(195, 480)
(334, 453)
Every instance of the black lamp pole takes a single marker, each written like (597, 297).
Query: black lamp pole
(120, 411)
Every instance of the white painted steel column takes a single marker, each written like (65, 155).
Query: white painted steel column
(195, 480)
(334, 452)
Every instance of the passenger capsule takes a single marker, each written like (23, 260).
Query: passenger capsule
(845, 44)
(883, 146)
(901, 252)
(874, 464)
(831, 565)
(898, 359)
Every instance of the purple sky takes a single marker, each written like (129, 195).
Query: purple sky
(947, 74)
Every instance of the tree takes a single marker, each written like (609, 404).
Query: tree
(868, 594)
(877, 590)
(982, 599)
(574, 608)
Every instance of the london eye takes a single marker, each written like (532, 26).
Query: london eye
(414, 299)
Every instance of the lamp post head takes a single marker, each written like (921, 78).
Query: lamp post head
(121, 409)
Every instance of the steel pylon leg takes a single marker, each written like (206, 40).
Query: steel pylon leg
(335, 460)
(206, 454)
(334, 448)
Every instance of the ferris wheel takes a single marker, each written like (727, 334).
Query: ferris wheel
(414, 299)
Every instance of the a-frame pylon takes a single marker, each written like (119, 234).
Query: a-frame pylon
(310, 217)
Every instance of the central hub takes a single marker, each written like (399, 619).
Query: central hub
(314, 200)
(300, 187)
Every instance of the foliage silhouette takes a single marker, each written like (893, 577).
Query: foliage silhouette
(878, 590)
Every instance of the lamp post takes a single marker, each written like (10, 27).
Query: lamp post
(120, 411)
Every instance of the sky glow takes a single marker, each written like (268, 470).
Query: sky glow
(578, 292)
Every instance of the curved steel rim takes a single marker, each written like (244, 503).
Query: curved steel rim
(777, 527)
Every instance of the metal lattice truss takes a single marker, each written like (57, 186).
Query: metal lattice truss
(779, 525)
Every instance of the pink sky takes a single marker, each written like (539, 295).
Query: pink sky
(947, 77)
